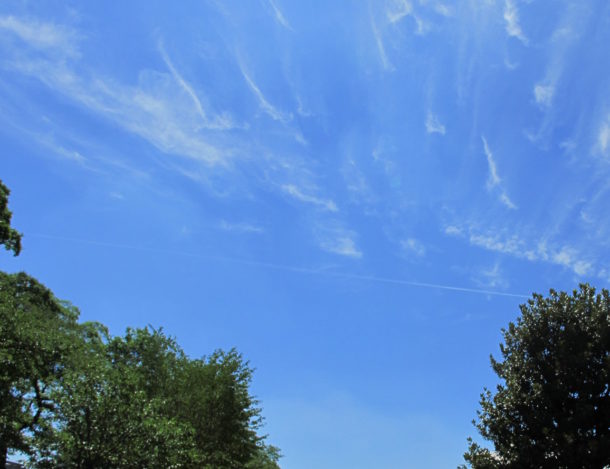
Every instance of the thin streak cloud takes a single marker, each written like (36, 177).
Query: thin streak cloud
(342, 244)
(42, 35)
(265, 105)
(511, 16)
(279, 16)
(288, 268)
(402, 8)
(493, 180)
(298, 194)
(182, 82)
(515, 246)
(387, 65)
(603, 137)
(433, 125)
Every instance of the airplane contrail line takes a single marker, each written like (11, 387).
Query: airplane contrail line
(288, 268)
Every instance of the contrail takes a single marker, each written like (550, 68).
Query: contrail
(287, 268)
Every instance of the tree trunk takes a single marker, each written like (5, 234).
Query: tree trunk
(3, 455)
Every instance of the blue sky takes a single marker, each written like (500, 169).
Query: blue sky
(356, 195)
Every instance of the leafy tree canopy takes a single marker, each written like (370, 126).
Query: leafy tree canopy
(37, 335)
(139, 401)
(552, 408)
(9, 237)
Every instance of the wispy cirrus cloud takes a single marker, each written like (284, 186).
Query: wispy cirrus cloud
(240, 227)
(182, 82)
(297, 193)
(265, 105)
(338, 240)
(543, 94)
(413, 247)
(220, 122)
(404, 8)
(163, 109)
(443, 9)
(493, 180)
(514, 245)
(433, 124)
(491, 277)
(383, 56)
(279, 16)
(511, 16)
(575, 19)
(603, 136)
(400, 9)
(42, 35)
(169, 112)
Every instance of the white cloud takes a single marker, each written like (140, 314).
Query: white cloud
(298, 194)
(401, 9)
(493, 180)
(603, 136)
(387, 65)
(70, 154)
(161, 109)
(512, 245)
(515, 246)
(442, 10)
(422, 26)
(453, 230)
(404, 8)
(413, 246)
(240, 227)
(507, 202)
(182, 82)
(274, 113)
(343, 246)
(42, 35)
(511, 16)
(281, 19)
(220, 122)
(433, 125)
(568, 257)
(341, 242)
(544, 94)
(357, 185)
(492, 277)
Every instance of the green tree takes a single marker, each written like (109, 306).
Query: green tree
(111, 409)
(215, 399)
(139, 401)
(552, 409)
(9, 237)
(37, 334)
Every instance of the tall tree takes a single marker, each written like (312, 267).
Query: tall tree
(139, 401)
(37, 334)
(552, 409)
(216, 401)
(105, 415)
(9, 237)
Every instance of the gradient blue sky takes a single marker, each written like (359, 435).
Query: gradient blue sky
(356, 195)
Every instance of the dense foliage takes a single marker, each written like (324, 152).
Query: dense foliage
(553, 408)
(73, 396)
(37, 336)
(9, 237)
